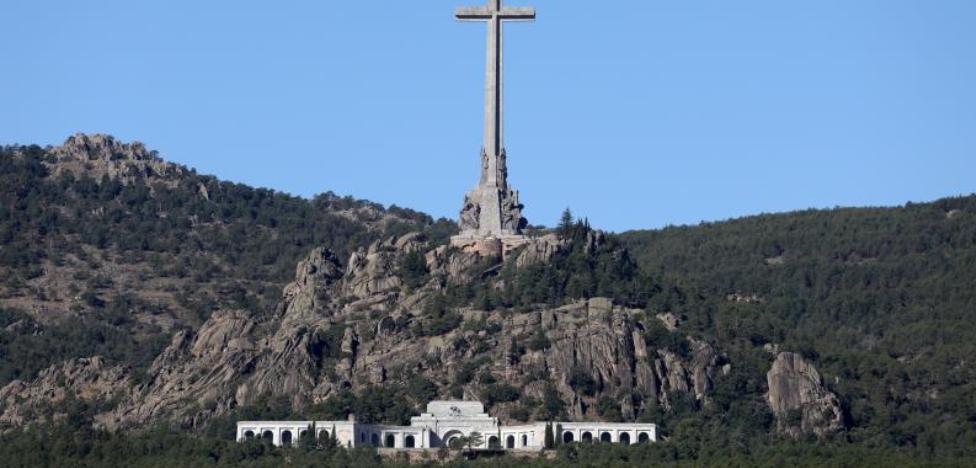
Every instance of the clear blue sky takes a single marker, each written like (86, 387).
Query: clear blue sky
(638, 113)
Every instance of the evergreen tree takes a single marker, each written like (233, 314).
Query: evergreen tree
(549, 439)
(565, 228)
(475, 440)
(308, 441)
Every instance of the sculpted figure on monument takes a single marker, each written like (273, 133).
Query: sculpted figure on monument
(501, 170)
(484, 167)
(512, 219)
(470, 214)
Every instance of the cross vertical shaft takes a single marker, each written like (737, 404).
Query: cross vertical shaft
(495, 15)
(497, 209)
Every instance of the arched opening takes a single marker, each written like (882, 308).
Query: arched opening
(493, 442)
(452, 439)
(568, 437)
(323, 435)
(587, 437)
(624, 438)
(267, 436)
(510, 442)
(286, 438)
(409, 442)
(525, 440)
(302, 434)
(390, 441)
(605, 437)
(643, 438)
(248, 435)
(362, 437)
(375, 439)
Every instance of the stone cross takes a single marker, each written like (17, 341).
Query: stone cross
(492, 209)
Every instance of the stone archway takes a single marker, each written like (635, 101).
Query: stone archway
(267, 436)
(567, 437)
(510, 442)
(525, 440)
(643, 438)
(624, 438)
(286, 438)
(409, 442)
(452, 438)
(248, 435)
(587, 437)
(494, 443)
(389, 441)
(606, 437)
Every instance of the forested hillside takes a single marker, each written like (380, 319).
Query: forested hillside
(145, 308)
(883, 300)
(108, 249)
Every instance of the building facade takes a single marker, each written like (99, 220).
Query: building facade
(442, 423)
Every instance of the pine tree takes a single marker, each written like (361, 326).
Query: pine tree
(565, 228)
(475, 440)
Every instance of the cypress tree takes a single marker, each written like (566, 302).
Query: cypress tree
(307, 441)
(549, 440)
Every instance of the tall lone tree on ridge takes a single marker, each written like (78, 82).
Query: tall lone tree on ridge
(565, 228)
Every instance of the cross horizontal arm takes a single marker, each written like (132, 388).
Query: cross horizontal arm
(473, 13)
(517, 13)
(485, 13)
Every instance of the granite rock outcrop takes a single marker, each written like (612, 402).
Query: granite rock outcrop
(799, 399)
(357, 325)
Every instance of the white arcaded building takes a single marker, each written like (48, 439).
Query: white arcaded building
(443, 422)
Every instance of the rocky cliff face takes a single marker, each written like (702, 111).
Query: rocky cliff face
(366, 320)
(358, 325)
(46, 398)
(102, 155)
(799, 399)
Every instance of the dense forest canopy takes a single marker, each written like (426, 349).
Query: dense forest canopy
(882, 299)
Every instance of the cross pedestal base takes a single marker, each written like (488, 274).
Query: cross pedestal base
(498, 247)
